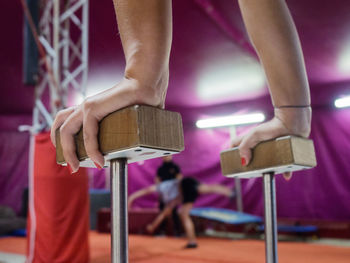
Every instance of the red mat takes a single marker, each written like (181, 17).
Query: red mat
(145, 249)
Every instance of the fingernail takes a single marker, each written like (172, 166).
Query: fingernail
(243, 161)
(69, 168)
(98, 166)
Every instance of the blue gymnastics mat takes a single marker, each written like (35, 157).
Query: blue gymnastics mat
(19, 233)
(225, 215)
(16, 233)
(294, 229)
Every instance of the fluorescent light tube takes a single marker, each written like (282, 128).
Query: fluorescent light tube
(342, 102)
(231, 120)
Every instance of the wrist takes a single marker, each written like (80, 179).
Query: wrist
(297, 120)
(292, 106)
(148, 90)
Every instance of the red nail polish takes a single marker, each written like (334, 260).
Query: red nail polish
(69, 168)
(98, 166)
(243, 161)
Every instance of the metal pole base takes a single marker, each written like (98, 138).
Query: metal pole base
(270, 218)
(119, 213)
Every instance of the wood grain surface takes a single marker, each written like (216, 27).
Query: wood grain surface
(130, 127)
(288, 150)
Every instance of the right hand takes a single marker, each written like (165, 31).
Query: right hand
(128, 92)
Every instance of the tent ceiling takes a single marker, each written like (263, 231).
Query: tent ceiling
(207, 66)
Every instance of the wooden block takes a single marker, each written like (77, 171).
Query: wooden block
(137, 133)
(288, 153)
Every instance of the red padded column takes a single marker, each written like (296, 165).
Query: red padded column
(61, 209)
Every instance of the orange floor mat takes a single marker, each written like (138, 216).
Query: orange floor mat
(145, 249)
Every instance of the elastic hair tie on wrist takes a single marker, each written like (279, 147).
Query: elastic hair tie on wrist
(292, 106)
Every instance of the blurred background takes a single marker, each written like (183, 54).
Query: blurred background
(214, 72)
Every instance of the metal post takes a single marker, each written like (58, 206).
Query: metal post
(119, 213)
(238, 190)
(238, 187)
(270, 218)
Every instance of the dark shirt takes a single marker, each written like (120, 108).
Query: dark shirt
(168, 171)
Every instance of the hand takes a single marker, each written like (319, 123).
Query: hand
(150, 229)
(69, 121)
(287, 121)
(90, 112)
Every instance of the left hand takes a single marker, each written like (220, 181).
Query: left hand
(286, 122)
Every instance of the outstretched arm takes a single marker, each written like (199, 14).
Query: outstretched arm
(162, 215)
(274, 36)
(142, 192)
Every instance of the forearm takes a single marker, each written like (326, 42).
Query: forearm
(274, 36)
(142, 192)
(145, 27)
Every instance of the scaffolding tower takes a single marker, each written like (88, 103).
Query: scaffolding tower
(62, 34)
(62, 41)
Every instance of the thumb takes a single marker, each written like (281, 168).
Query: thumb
(246, 146)
(236, 141)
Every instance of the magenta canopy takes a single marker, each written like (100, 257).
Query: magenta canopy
(213, 71)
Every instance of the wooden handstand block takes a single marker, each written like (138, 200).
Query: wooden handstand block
(288, 153)
(137, 133)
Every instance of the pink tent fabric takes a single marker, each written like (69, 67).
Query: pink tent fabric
(207, 35)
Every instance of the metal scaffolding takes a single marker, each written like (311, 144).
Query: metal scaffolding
(63, 68)
(62, 41)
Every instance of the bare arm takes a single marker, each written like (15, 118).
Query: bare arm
(163, 214)
(145, 28)
(142, 192)
(274, 36)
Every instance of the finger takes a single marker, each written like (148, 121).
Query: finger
(67, 131)
(263, 132)
(90, 131)
(245, 148)
(236, 141)
(287, 175)
(59, 120)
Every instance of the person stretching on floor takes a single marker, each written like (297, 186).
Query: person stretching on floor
(145, 28)
(183, 191)
(169, 170)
